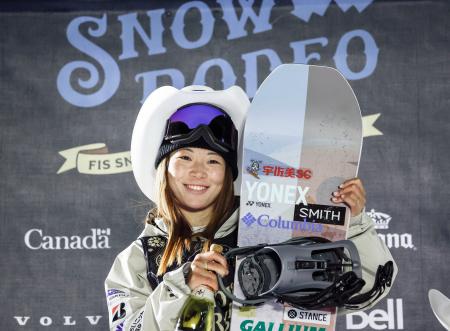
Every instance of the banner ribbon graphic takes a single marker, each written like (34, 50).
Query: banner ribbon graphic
(94, 159)
(369, 129)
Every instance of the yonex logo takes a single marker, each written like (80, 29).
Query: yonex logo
(248, 219)
(258, 204)
(265, 192)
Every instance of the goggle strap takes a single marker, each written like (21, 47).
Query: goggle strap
(201, 132)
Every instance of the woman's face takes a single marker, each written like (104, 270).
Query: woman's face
(196, 176)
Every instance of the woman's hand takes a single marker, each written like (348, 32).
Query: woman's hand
(204, 269)
(352, 193)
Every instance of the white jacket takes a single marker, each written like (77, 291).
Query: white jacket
(134, 306)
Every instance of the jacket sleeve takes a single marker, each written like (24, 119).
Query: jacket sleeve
(372, 251)
(132, 302)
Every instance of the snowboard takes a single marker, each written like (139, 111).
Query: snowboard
(302, 139)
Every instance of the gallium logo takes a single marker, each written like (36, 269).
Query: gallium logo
(251, 325)
(382, 221)
(97, 239)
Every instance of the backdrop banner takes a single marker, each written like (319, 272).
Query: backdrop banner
(72, 84)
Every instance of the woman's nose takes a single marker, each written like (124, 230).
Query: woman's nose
(198, 170)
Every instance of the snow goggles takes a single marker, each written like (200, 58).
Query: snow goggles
(199, 120)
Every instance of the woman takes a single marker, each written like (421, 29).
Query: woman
(189, 175)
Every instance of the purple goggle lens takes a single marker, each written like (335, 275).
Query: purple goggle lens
(186, 120)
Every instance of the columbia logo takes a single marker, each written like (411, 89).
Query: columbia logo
(248, 219)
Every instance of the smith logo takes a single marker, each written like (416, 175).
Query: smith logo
(97, 239)
(320, 214)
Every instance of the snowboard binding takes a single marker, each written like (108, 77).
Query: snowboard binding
(307, 273)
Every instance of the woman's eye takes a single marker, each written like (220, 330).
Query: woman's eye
(184, 157)
(214, 162)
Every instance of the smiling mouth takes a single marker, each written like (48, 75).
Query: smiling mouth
(197, 188)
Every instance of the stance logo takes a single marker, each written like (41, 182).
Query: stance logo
(292, 313)
(265, 221)
(307, 316)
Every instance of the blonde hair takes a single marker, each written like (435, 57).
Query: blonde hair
(179, 230)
